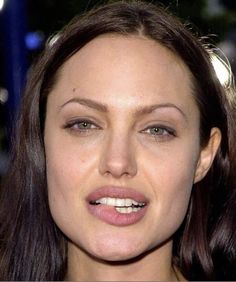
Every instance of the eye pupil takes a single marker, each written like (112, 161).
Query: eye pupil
(157, 130)
(84, 125)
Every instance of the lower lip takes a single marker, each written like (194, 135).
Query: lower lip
(111, 216)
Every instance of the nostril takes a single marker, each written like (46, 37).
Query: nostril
(118, 162)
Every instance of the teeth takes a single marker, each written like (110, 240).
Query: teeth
(117, 202)
(103, 201)
(111, 201)
(128, 202)
(120, 202)
(127, 210)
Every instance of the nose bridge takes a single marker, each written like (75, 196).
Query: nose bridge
(118, 156)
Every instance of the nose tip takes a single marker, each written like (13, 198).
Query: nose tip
(118, 160)
(118, 170)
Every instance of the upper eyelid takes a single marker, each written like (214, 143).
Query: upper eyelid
(82, 119)
(75, 121)
(162, 126)
(170, 133)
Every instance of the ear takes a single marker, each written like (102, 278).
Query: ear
(207, 154)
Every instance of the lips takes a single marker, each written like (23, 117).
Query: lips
(119, 206)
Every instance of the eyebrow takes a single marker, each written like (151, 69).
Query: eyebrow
(149, 109)
(103, 108)
(88, 103)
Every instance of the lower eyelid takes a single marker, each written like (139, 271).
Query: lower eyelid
(81, 132)
(72, 123)
(75, 128)
(169, 131)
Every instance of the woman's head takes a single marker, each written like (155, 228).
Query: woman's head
(118, 117)
(112, 62)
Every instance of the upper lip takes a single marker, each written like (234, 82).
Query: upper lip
(117, 192)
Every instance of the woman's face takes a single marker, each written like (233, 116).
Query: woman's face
(122, 147)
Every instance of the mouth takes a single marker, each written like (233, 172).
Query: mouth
(121, 205)
(117, 205)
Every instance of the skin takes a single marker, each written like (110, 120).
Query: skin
(121, 148)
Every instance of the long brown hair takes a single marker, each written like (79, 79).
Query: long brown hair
(31, 245)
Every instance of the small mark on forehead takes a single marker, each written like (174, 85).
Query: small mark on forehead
(74, 89)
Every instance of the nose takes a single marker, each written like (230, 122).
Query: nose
(118, 158)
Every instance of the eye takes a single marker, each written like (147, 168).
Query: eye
(160, 131)
(81, 125)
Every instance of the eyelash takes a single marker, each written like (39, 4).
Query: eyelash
(166, 132)
(73, 125)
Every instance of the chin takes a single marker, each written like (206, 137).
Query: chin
(117, 256)
(116, 250)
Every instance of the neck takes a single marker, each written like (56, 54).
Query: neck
(153, 266)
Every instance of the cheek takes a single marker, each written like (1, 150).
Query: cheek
(68, 161)
(171, 176)
(69, 171)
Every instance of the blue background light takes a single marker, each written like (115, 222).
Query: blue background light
(34, 40)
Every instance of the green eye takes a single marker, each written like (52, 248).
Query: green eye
(158, 131)
(81, 125)
(84, 125)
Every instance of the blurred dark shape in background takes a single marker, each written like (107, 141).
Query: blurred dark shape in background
(229, 4)
(25, 26)
(228, 46)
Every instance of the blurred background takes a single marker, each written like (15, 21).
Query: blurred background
(25, 25)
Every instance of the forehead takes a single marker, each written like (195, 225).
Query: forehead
(113, 67)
